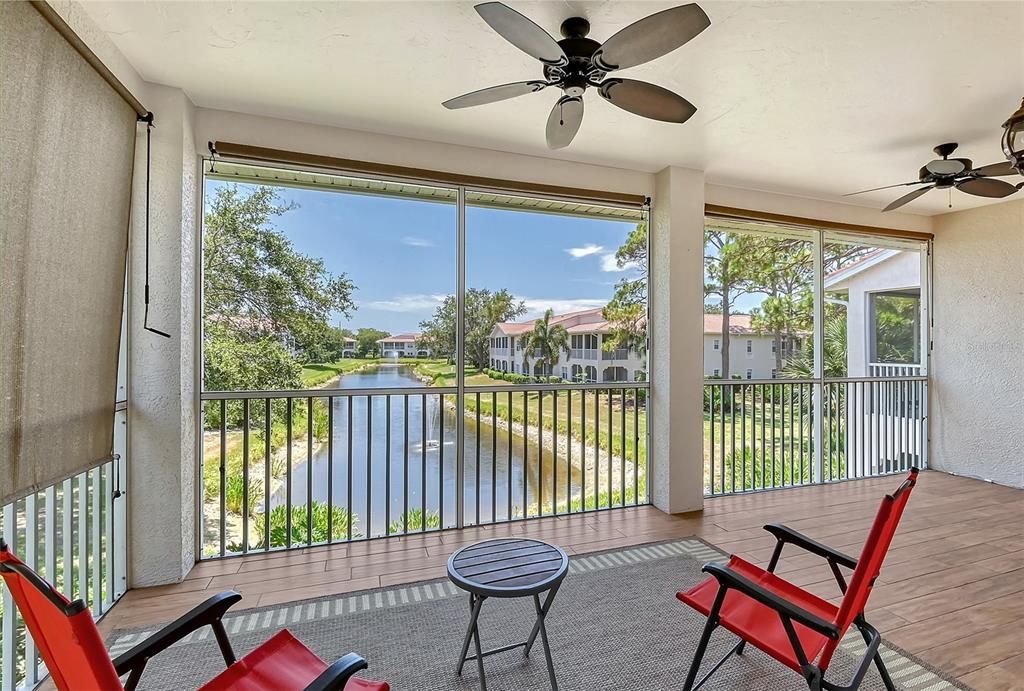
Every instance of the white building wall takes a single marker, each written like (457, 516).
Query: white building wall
(760, 361)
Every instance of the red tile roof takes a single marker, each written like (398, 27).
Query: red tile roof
(738, 324)
(400, 338)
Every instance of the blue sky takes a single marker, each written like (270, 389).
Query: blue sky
(401, 254)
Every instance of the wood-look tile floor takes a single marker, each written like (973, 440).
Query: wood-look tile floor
(951, 591)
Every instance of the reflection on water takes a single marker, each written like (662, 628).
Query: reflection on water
(403, 440)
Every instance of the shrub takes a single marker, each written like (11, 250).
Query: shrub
(415, 521)
(279, 525)
(234, 494)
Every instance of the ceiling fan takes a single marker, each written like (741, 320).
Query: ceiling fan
(959, 173)
(577, 62)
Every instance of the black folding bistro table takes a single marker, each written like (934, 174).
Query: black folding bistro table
(508, 567)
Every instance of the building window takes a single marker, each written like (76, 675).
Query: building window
(750, 346)
(718, 372)
(717, 345)
(565, 373)
(750, 373)
(775, 346)
(775, 373)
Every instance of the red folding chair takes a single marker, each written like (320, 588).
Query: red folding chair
(797, 628)
(71, 646)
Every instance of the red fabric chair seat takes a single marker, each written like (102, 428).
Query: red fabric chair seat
(282, 662)
(757, 623)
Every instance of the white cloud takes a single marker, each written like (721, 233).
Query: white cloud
(406, 303)
(610, 264)
(416, 242)
(536, 307)
(585, 251)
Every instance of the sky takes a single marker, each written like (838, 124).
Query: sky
(401, 254)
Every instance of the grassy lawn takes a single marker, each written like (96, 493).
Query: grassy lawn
(317, 373)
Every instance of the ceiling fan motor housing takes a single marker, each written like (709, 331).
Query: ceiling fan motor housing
(575, 77)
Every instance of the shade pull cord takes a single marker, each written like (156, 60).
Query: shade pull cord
(148, 119)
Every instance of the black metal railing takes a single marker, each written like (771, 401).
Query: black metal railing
(288, 469)
(761, 434)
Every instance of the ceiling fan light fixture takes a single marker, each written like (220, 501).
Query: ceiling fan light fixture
(1013, 139)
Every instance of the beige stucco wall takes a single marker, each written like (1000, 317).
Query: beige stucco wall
(977, 397)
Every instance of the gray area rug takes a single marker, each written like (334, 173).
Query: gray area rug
(615, 624)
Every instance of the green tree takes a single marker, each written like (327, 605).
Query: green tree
(626, 312)
(238, 362)
(484, 310)
(366, 341)
(801, 365)
(544, 343)
(256, 284)
(726, 278)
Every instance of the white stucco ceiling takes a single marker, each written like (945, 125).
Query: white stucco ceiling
(809, 98)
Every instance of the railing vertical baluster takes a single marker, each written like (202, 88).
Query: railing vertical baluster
(554, 452)
(330, 469)
(369, 466)
(267, 451)
(440, 460)
(387, 464)
(494, 457)
(423, 462)
(732, 432)
(863, 421)
(568, 451)
(743, 437)
(67, 540)
(792, 436)
(29, 555)
(476, 464)
(709, 391)
(223, 476)
(771, 406)
(803, 399)
(309, 470)
(94, 546)
(526, 444)
(405, 465)
(7, 623)
(721, 433)
(583, 451)
(611, 472)
(288, 474)
(245, 475)
(597, 450)
(83, 537)
(636, 447)
(764, 455)
(50, 535)
(508, 466)
(622, 446)
(540, 453)
(349, 404)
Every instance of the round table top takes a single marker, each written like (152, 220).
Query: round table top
(508, 567)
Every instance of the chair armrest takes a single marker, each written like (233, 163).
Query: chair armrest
(337, 675)
(207, 613)
(727, 578)
(785, 534)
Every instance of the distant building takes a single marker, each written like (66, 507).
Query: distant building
(752, 354)
(402, 345)
(351, 347)
(586, 359)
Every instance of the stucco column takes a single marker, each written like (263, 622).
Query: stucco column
(677, 297)
(161, 467)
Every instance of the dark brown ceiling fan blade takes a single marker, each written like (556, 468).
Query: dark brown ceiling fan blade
(995, 170)
(522, 33)
(887, 187)
(564, 121)
(907, 198)
(986, 187)
(648, 100)
(651, 37)
(492, 94)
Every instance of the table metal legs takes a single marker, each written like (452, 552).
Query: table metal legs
(473, 632)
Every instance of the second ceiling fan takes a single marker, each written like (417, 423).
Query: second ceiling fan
(577, 62)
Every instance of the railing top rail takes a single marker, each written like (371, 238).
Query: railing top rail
(324, 393)
(895, 364)
(827, 380)
(417, 390)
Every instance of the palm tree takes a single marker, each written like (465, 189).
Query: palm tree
(545, 342)
(801, 365)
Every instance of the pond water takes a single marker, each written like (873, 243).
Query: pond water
(421, 440)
